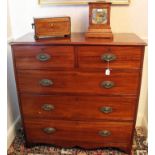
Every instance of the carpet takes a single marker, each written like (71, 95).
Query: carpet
(18, 147)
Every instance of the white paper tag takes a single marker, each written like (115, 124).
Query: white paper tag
(107, 71)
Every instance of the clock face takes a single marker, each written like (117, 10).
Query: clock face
(99, 16)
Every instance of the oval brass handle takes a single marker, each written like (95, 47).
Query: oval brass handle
(43, 57)
(104, 133)
(106, 110)
(108, 57)
(46, 82)
(107, 84)
(49, 130)
(48, 107)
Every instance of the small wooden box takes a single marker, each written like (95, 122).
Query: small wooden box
(52, 27)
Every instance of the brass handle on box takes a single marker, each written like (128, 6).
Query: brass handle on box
(104, 133)
(49, 130)
(32, 25)
(48, 107)
(107, 84)
(43, 57)
(46, 82)
(108, 57)
(106, 110)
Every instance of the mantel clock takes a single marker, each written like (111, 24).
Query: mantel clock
(99, 20)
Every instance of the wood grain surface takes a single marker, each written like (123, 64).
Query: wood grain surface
(78, 107)
(127, 57)
(78, 82)
(80, 133)
(61, 57)
(76, 93)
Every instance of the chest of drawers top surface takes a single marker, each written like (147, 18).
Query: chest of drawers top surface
(65, 96)
(79, 38)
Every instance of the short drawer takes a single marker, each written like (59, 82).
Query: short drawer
(119, 57)
(47, 82)
(44, 57)
(78, 133)
(78, 107)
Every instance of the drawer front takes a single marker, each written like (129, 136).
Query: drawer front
(120, 57)
(42, 57)
(47, 82)
(56, 132)
(47, 28)
(78, 107)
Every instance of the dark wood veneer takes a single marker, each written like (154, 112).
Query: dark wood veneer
(77, 82)
(119, 39)
(77, 72)
(61, 57)
(78, 107)
(77, 132)
(127, 57)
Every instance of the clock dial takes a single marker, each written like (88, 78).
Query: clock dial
(99, 16)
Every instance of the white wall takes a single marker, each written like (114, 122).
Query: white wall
(132, 19)
(143, 106)
(12, 102)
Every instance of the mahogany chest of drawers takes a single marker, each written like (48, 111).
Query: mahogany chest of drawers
(65, 97)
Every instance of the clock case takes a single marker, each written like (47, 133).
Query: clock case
(99, 30)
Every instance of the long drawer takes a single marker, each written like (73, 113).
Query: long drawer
(47, 82)
(97, 57)
(78, 133)
(78, 107)
(44, 57)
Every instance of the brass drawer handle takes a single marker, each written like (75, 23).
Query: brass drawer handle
(108, 57)
(107, 84)
(106, 110)
(49, 130)
(46, 82)
(104, 133)
(43, 57)
(48, 107)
